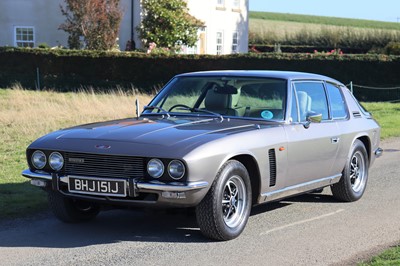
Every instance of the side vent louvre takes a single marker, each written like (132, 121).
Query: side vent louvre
(272, 167)
(356, 114)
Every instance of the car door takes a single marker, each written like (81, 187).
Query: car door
(312, 149)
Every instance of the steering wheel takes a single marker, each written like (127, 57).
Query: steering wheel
(178, 105)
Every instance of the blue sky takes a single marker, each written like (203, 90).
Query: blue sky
(385, 10)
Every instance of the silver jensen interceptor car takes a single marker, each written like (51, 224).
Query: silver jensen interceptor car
(219, 141)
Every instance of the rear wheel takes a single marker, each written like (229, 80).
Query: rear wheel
(353, 183)
(71, 210)
(224, 211)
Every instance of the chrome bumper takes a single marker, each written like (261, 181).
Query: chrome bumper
(155, 186)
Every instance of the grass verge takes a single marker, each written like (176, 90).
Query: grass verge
(388, 117)
(27, 115)
(389, 257)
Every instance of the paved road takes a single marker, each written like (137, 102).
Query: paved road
(306, 230)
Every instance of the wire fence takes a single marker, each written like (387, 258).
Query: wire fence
(370, 93)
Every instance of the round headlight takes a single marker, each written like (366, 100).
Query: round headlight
(176, 169)
(155, 168)
(38, 159)
(56, 161)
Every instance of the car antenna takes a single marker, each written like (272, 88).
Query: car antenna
(137, 108)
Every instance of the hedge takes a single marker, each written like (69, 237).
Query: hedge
(67, 70)
(265, 48)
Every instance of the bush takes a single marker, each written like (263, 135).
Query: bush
(43, 45)
(393, 48)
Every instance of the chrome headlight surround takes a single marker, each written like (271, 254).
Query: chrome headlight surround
(56, 161)
(155, 168)
(38, 159)
(176, 169)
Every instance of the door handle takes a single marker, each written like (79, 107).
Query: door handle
(335, 140)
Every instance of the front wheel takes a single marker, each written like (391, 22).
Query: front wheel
(354, 178)
(71, 210)
(224, 211)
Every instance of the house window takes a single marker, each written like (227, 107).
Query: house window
(235, 42)
(221, 5)
(220, 42)
(191, 50)
(236, 4)
(24, 36)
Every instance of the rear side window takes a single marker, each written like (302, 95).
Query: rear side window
(338, 106)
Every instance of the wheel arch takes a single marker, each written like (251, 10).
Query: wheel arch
(367, 144)
(252, 168)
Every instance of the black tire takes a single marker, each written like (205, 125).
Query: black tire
(71, 210)
(354, 178)
(224, 211)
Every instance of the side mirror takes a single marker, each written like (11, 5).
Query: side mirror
(312, 117)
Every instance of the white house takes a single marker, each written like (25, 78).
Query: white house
(28, 23)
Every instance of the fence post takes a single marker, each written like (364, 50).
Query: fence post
(37, 79)
(137, 108)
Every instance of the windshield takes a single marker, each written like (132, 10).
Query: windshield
(260, 98)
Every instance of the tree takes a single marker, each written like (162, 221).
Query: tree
(168, 23)
(97, 21)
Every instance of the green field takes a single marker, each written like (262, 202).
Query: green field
(331, 21)
(288, 29)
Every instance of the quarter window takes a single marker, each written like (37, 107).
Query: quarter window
(311, 97)
(24, 36)
(338, 107)
(235, 42)
(220, 42)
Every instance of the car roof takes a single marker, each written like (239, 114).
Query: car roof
(288, 75)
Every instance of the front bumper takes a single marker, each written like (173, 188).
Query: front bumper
(177, 194)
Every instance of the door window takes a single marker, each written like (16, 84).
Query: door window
(311, 97)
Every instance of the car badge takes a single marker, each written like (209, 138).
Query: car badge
(76, 160)
(102, 147)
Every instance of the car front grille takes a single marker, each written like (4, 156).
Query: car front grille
(100, 165)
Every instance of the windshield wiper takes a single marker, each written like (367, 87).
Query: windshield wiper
(152, 107)
(202, 111)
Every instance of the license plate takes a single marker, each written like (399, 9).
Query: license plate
(97, 186)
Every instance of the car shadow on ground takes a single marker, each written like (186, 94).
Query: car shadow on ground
(309, 197)
(313, 197)
(109, 227)
(174, 226)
